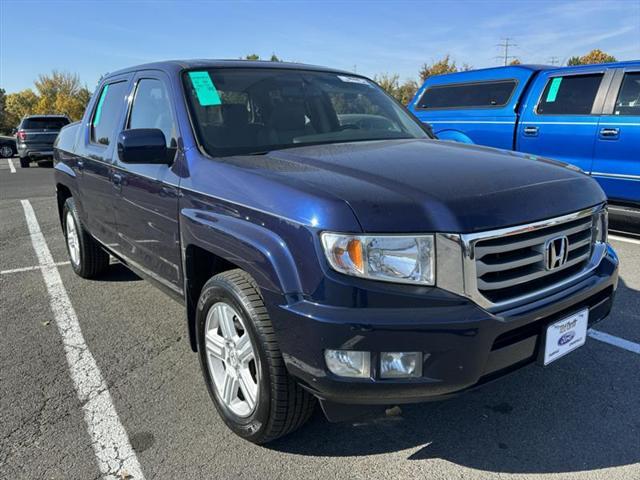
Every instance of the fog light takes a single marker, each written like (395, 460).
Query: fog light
(348, 363)
(400, 364)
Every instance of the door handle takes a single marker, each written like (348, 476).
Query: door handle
(531, 131)
(610, 133)
(80, 164)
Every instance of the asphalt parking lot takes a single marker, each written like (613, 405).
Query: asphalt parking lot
(578, 418)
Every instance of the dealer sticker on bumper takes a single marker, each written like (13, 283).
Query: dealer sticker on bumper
(565, 336)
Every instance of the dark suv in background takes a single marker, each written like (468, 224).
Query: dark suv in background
(35, 136)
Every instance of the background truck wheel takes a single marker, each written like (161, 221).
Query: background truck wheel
(242, 364)
(87, 257)
(6, 151)
(24, 163)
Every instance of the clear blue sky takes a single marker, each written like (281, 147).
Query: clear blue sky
(92, 38)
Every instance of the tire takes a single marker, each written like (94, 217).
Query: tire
(24, 162)
(6, 151)
(281, 404)
(87, 257)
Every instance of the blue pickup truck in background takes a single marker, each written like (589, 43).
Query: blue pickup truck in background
(588, 116)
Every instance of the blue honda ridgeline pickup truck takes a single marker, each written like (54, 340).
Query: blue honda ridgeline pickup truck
(588, 116)
(324, 245)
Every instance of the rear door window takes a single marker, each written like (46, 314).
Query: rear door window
(571, 95)
(468, 95)
(106, 115)
(44, 123)
(628, 102)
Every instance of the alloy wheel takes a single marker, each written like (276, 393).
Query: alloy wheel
(72, 239)
(231, 359)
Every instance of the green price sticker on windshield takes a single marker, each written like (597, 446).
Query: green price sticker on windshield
(553, 89)
(205, 90)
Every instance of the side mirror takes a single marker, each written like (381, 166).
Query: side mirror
(142, 145)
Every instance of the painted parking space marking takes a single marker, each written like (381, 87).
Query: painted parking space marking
(624, 239)
(29, 269)
(113, 451)
(615, 341)
(11, 166)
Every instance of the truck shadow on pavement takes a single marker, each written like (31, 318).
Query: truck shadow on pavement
(581, 413)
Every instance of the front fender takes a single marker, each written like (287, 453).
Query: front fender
(257, 250)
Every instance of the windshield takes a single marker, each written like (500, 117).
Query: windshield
(44, 123)
(244, 110)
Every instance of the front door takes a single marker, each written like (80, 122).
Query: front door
(616, 163)
(147, 208)
(562, 124)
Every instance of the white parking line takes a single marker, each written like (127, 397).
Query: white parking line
(28, 269)
(11, 167)
(116, 458)
(624, 239)
(615, 341)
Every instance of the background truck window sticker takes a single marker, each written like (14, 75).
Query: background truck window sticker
(553, 89)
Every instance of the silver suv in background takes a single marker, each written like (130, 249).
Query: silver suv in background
(35, 136)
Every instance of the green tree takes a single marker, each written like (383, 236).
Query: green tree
(445, 65)
(252, 56)
(5, 124)
(274, 58)
(593, 57)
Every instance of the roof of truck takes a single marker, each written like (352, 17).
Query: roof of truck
(173, 66)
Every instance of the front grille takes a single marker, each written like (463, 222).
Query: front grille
(515, 264)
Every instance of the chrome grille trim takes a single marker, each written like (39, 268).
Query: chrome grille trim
(510, 257)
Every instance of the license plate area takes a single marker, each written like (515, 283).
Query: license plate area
(565, 335)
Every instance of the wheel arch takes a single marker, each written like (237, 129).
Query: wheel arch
(214, 243)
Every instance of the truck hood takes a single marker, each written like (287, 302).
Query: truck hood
(429, 185)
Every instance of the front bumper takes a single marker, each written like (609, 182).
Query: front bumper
(463, 344)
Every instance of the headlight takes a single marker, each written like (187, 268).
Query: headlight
(391, 258)
(602, 225)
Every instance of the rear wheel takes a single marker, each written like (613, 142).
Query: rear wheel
(87, 257)
(242, 364)
(24, 162)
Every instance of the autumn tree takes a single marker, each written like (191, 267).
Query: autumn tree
(515, 61)
(61, 92)
(403, 92)
(19, 104)
(445, 65)
(594, 56)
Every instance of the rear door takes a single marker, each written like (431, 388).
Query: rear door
(95, 167)
(561, 117)
(616, 163)
(147, 204)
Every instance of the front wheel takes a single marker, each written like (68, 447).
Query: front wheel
(242, 364)
(87, 257)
